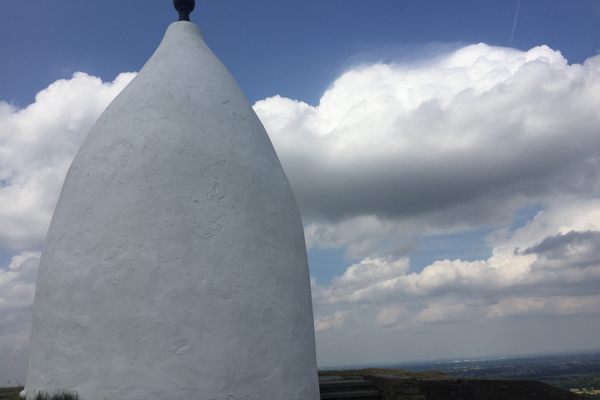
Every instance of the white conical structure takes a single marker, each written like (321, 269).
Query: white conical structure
(175, 264)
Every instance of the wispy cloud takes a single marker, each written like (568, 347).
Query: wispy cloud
(514, 24)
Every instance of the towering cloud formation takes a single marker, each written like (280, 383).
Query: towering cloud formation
(457, 142)
(394, 153)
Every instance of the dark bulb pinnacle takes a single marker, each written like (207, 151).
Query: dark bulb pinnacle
(184, 8)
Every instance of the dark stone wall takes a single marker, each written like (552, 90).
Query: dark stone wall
(393, 388)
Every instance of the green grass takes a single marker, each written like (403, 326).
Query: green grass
(10, 393)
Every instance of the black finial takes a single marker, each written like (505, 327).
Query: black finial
(184, 8)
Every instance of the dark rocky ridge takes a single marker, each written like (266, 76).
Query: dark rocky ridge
(402, 385)
(468, 389)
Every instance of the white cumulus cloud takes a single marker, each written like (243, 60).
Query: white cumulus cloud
(462, 141)
(329, 322)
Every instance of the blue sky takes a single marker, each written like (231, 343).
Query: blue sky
(294, 48)
(434, 175)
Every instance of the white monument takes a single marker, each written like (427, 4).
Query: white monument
(175, 264)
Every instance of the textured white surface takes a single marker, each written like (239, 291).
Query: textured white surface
(175, 265)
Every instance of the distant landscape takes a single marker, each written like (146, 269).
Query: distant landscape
(578, 373)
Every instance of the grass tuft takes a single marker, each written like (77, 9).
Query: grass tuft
(56, 396)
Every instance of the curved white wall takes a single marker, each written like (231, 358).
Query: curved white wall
(175, 265)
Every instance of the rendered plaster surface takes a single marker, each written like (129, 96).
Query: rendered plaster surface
(175, 265)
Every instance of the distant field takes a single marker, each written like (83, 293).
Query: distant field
(579, 373)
